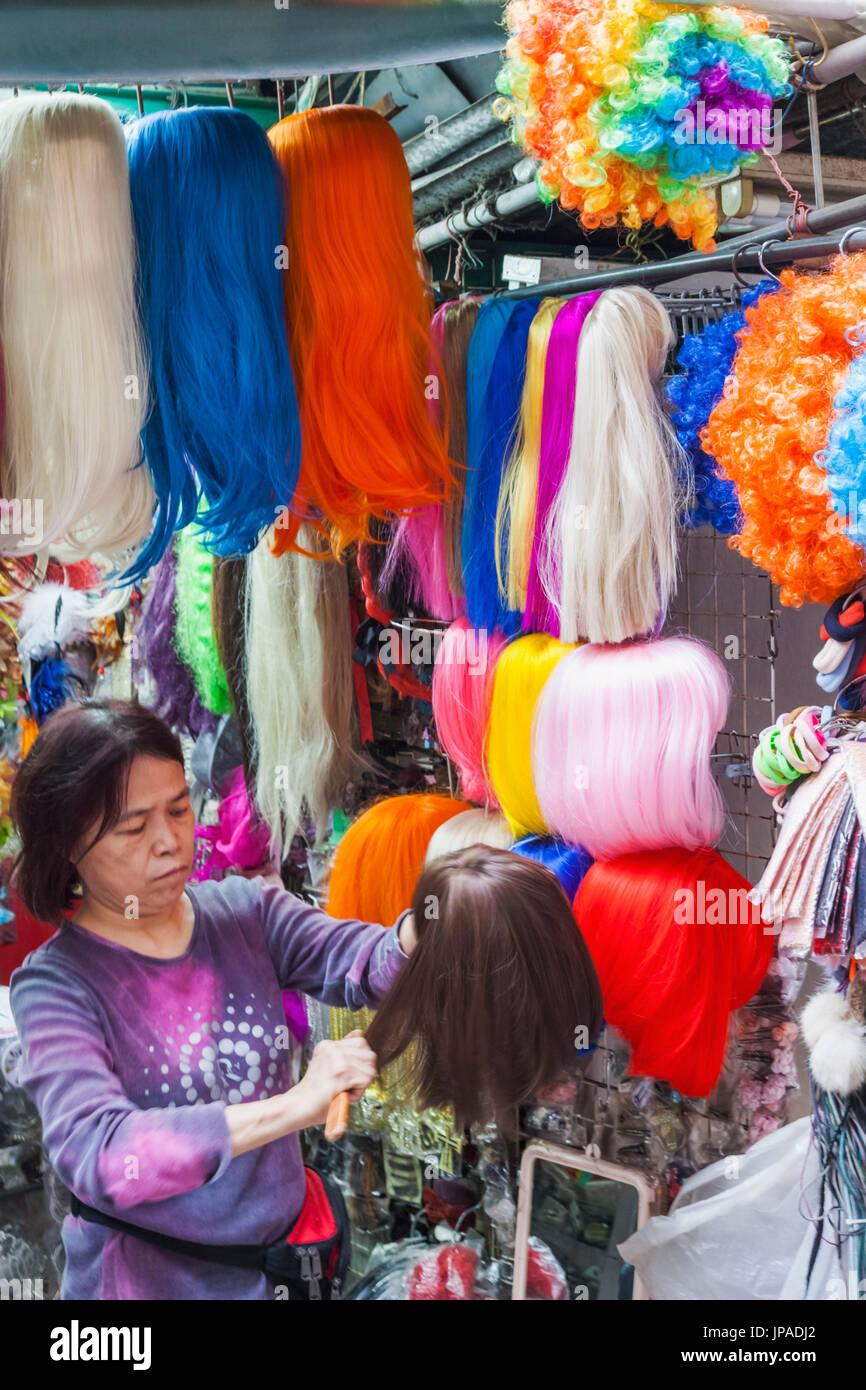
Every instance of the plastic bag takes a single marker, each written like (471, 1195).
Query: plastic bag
(545, 1277)
(737, 1231)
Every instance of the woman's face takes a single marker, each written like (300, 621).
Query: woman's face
(140, 868)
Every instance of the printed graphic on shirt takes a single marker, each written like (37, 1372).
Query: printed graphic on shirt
(242, 1055)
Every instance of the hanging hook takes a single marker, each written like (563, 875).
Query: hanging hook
(744, 285)
(281, 101)
(230, 94)
(774, 241)
(843, 240)
(139, 98)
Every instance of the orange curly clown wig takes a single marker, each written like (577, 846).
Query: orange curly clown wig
(775, 416)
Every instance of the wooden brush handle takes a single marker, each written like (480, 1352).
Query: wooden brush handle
(338, 1115)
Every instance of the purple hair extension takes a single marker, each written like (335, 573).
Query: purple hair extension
(557, 413)
(175, 697)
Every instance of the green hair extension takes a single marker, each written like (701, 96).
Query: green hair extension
(194, 635)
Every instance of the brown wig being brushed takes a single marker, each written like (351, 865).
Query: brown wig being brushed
(496, 990)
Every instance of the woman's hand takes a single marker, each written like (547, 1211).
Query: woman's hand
(407, 935)
(347, 1065)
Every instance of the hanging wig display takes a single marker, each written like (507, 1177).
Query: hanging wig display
(493, 992)
(194, 629)
(426, 544)
(494, 382)
(174, 697)
(630, 106)
(665, 701)
(705, 359)
(560, 379)
(462, 690)
(568, 862)
(75, 368)
(360, 343)
(298, 680)
(677, 946)
(519, 677)
(469, 828)
(376, 867)
(515, 509)
(611, 552)
(224, 423)
(770, 430)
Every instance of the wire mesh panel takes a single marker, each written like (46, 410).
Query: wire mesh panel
(724, 601)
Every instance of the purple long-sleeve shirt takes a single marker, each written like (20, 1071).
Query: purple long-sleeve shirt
(131, 1062)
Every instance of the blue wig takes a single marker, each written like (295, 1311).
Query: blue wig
(223, 436)
(494, 383)
(845, 455)
(52, 685)
(706, 359)
(568, 862)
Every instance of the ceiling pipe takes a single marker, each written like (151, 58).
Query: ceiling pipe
(463, 180)
(812, 9)
(843, 60)
(506, 204)
(439, 139)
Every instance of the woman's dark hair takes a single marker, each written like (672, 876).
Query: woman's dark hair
(74, 778)
(496, 991)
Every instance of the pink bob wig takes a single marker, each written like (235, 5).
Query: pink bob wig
(462, 690)
(677, 945)
(621, 745)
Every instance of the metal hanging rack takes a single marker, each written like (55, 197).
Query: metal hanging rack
(773, 245)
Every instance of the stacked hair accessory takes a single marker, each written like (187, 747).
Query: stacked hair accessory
(843, 657)
(791, 748)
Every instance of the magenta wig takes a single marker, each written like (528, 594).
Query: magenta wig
(557, 416)
(621, 746)
(462, 687)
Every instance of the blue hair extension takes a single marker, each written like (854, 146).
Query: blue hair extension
(494, 382)
(706, 359)
(223, 436)
(845, 455)
(568, 862)
(52, 684)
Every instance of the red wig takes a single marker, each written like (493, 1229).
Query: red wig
(677, 946)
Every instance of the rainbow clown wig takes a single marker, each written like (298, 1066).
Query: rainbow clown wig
(632, 106)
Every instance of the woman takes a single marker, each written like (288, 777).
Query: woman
(152, 1022)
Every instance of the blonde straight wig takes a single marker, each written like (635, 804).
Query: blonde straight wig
(610, 553)
(475, 827)
(515, 508)
(75, 364)
(299, 685)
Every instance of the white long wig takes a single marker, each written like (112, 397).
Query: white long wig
(75, 366)
(299, 685)
(610, 547)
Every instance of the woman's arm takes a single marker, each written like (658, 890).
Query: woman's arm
(349, 964)
(104, 1148)
(347, 1065)
(114, 1155)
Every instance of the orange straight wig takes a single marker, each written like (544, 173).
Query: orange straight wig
(381, 855)
(359, 326)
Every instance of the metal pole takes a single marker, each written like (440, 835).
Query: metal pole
(815, 149)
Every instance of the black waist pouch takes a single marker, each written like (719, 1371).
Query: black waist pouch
(309, 1263)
